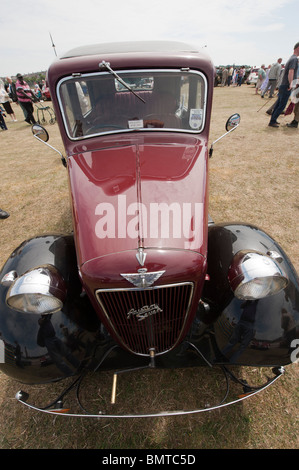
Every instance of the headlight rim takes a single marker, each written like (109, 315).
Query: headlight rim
(44, 280)
(261, 266)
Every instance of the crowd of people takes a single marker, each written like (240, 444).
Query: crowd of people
(19, 92)
(276, 78)
(231, 76)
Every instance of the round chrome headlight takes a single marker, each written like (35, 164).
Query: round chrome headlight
(41, 290)
(253, 275)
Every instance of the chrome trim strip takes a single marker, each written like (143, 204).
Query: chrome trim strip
(151, 415)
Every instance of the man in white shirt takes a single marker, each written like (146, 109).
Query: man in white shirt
(273, 78)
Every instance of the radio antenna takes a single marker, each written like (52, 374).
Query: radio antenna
(53, 45)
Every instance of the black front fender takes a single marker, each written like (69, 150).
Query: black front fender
(269, 339)
(75, 326)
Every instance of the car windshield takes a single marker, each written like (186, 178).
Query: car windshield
(92, 104)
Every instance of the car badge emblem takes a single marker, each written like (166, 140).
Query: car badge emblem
(144, 312)
(142, 278)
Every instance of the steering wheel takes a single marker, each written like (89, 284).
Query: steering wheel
(151, 120)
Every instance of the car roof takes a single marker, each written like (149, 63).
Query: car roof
(129, 47)
(127, 55)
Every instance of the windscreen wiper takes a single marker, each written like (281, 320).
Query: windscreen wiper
(118, 78)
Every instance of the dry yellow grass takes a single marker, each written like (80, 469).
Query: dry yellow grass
(253, 178)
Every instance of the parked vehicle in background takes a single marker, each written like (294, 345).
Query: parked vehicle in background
(146, 279)
(252, 77)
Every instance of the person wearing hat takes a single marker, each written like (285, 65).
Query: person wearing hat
(289, 74)
(25, 98)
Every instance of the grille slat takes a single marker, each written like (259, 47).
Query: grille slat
(156, 319)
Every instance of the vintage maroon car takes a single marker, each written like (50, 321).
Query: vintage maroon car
(146, 278)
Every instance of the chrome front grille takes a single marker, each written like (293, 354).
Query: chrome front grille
(145, 319)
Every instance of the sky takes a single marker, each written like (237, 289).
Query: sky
(241, 32)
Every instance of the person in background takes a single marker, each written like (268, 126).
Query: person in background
(230, 75)
(270, 110)
(289, 74)
(25, 98)
(12, 90)
(265, 83)
(295, 121)
(224, 76)
(3, 125)
(37, 91)
(241, 75)
(5, 101)
(235, 77)
(260, 79)
(273, 78)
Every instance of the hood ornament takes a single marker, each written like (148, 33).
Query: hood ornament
(142, 278)
(141, 256)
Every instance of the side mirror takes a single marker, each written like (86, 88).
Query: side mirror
(231, 124)
(40, 132)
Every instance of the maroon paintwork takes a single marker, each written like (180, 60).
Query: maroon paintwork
(113, 175)
(137, 168)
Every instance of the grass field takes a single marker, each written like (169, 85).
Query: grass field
(254, 176)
